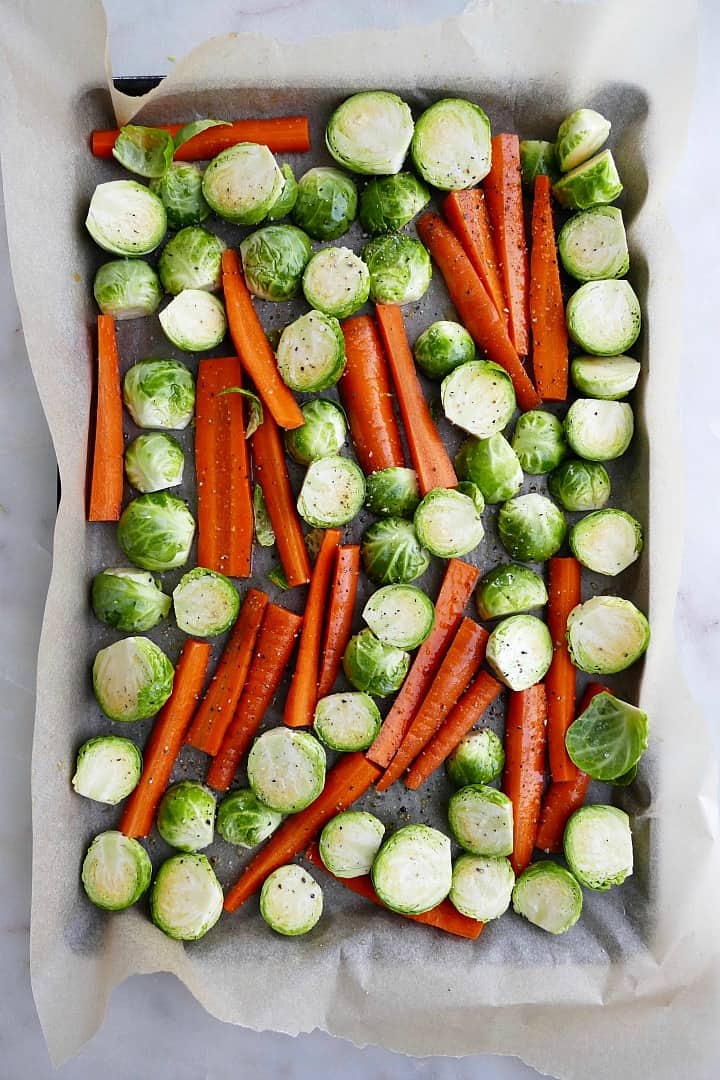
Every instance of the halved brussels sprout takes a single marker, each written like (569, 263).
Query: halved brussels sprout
(145, 151)
(192, 259)
(478, 397)
(156, 532)
(186, 899)
(598, 846)
(538, 442)
(579, 137)
(347, 721)
(159, 394)
(400, 615)
(548, 896)
(371, 666)
(186, 816)
(336, 281)
(206, 603)
(412, 872)
(443, 347)
(286, 769)
(274, 259)
(537, 158)
(180, 189)
(473, 492)
(311, 352)
(322, 435)
(482, 886)
(599, 430)
(326, 204)
(370, 132)
(509, 589)
(400, 269)
(132, 679)
(607, 541)
(349, 843)
(392, 553)
(243, 183)
(154, 462)
(481, 820)
(194, 321)
(492, 465)
(116, 871)
(477, 759)
(287, 198)
(126, 218)
(594, 182)
(107, 769)
(451, 144)
(127, 289)
(448, 523)
(608, 739)
(531, 527)
(519, 651)
(610, 377)
(128, 599)
(603, 317)
(606, 634)
(593, 245)
(332, 493)
(388, 203)
(245, 821)
(392, 492)
(291, 901)
(580, 485)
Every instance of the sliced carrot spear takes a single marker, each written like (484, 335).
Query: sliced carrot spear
(563, 595)
(429, 457)
(106, 484)
(467, 215)
(367, 396)
(347, 781)
(282, 135)
(503, 195)
(547, 312)
(166, 738)
(524, 773)
(343, 592)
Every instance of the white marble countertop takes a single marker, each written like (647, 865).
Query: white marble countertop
(153, 1026)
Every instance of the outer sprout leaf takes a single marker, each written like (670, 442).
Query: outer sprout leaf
(145, 151)
(608, 739)
(194, 128)
(264, 533)
(255, 408)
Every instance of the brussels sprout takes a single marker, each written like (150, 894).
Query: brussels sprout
(548, 896)
(392, 492)
(322, 435)
(180, 190)
(400, 615)
(333, 492)
(594, 182)
(194, 321)
(132, 679)
(610, 377)
(531, 527)
(347, 721)
(336, 281)
(159, 394)
(400, 269)
(243, 183)
(107, 769)
(478, 397)
(451, 145)
(154, 462)
(606, 634)
(186, 899)
(128, 599)
(125, 218)
(116, 871)
(537, 158)
(287, 198)
(286, 769)
(593, 245)
(244, 821)
(477, 759)
(186, 816)
(492, 465)
(392, 553)
(482, 887)
(580, 485)
(447, 523)
(481, 820)
(390, 202)
(291, 901)
(273, 259)
(607, 541)
(603, 317)
(598, 846)
(538, 442)
(443, 347)
(370, 132)
(311, 352)
(326, 204)
(371, 666)
(599, 430)
(509, 589)
(608, 739)
(264, 532)
(349, 843)
(145, 151)
(206, 603)
(579, 137)
(519, 651)
(192, 259)
(127, 289)
(412, 872)
(156, 532)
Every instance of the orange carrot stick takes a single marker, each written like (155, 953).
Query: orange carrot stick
(467, 215)
(456, 589)
(347, 781)
(163, 746)
(429, 457)
(563, 595)
(524, 773)
(216, 709)
(367, 396)
(503, 195)
(343, 592)
(547, 312)
(106, 484)
(282, 135)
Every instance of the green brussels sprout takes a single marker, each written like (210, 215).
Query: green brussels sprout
(509, 589)
(412, 872)
(400, 269)
(599, 430)
(537, 158)
(336, 281)
(479, 758)
(539, 442)
(607, 541)
(392, 492)
(347, 721)
(371, 666)
(287, 198)
(492, 465)
(443, 347)
(311, 353)
(608, 739)
(592, 244)
(127, 289)
(286, 769)
(192, 259)
(186, 816)
(370, 132)
(159, 394)
(580, 485)
(482, 886)
(126, 218)
(481, 820)
(548, 896)
(332, 493)
(603, 317)
(116, 871)
(388, 203)
(107, 769)
(323, 433)
(579, 137)
(186, 899)
(392, 553)
(128, 599)
(606, 634)
(194, 321)
(607, 377)
(206, 603)
(154, 462)
(264, 532)
(400, 615)
(448, 523)
(180, 189)
(156, 532)
(326, 204)
(531, 527)
(478, 397)
(132, 679)
(349, 843)
(451, 144)
(145, 151)
(274, 259)
(594, 182)
(598, 846)
(519, 651)
(244, 821)
(243, 183)
(291, 901)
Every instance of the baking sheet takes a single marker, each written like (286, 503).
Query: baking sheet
(361, 973)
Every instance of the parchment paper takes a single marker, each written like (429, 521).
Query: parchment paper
(634, 987)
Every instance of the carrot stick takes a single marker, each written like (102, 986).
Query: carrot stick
(272, 475)
(443, 917)
(503, 196)
(547, 312)
(347, 781)
(216, 709)
(253, 347)
(367, 396)
(278, 632)
(106, 484)
(282, 135)
(343, 592)
(163, 745)
(475, 308)
(303, 694)
(476, 699)
(460, 665)
(524, 773)
(563, 595)
(456, 589)
(467, 215)
(429, 457)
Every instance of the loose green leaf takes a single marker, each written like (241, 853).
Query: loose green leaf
(145, 151)
(277, 577)
(255, 409)
(186, 133)
(264, 533)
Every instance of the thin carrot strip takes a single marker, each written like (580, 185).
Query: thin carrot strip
(467, 215)
(367, 396)
(282, 135)
(106, 485)
(547, 312)
(343, 592)
(503, 195)
(524, 773)
(563, 595)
